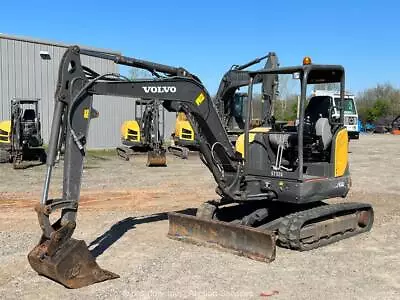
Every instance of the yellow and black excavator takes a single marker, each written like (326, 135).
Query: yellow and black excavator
(274, 192)
(20, 137)
(144, 134)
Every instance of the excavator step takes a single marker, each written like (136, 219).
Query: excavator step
(241, 240)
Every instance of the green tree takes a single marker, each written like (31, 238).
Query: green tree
(380, 101)
(379, 109)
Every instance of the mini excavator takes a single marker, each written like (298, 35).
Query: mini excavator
(143, 134)
(21, 136)
(271, 194)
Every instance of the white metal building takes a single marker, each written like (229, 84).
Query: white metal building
(24, 72)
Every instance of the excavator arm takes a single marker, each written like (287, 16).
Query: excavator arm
(72, 114)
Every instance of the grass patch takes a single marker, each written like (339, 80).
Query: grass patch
(100, 153)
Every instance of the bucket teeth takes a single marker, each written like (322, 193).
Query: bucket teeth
(72, 264)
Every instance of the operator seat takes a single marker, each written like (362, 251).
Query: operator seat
(317, 113)
(318, 107)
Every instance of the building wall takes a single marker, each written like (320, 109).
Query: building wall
(23, 73)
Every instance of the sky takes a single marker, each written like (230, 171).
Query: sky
(207, 37)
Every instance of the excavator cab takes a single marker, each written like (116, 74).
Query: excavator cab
(317, 150)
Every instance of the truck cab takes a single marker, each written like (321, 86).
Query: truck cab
(350, 110)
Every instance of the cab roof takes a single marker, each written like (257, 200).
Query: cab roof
(316, 73)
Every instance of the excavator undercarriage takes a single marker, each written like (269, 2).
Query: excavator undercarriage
(300, 227)
(272, 193)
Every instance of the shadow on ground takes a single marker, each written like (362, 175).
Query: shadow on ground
(107, 239)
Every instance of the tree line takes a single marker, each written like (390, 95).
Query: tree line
(379, 104)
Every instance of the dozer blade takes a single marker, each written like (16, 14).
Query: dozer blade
(244, 241)
(156, 159)
(72, 264)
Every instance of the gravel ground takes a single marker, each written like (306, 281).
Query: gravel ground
(122, 217)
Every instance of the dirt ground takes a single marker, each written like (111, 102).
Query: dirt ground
(123, 218)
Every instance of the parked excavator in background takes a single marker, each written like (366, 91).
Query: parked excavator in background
(231, 106)
(20, 137)
(143, 134)
(231, 103)
(273, 192)
(183, 139)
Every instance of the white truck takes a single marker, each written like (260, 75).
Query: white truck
(350, 110)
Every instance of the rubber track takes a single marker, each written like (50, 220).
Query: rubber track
(181, 152)
(290, 228)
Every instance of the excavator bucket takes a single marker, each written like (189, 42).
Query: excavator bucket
(244, 241)
(156, 158)
(72, 264)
